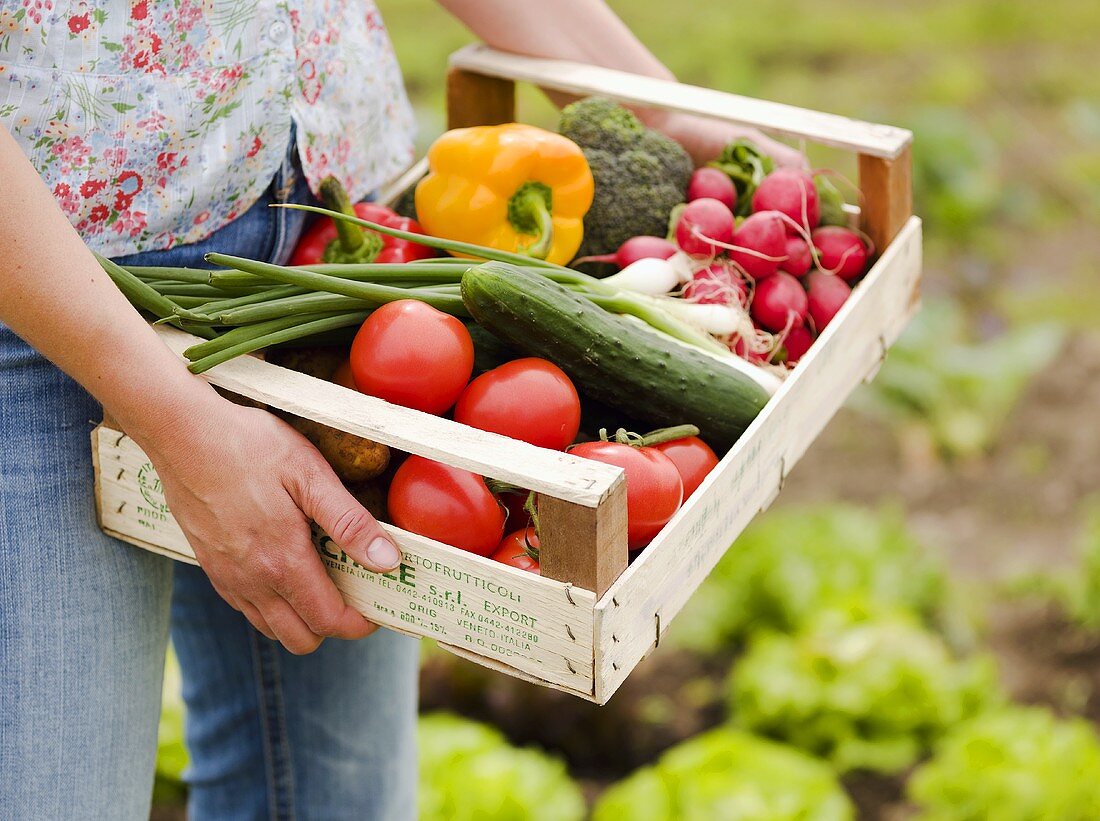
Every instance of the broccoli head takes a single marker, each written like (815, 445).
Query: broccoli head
(596, 122)
(640, 174)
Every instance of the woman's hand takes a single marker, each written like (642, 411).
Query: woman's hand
(705, 138)
(244, 487)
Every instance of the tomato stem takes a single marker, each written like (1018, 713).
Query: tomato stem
(532, 510)
(656, 437)
(670, 434)
(498, 486)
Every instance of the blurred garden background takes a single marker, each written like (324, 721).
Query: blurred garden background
(913, 630)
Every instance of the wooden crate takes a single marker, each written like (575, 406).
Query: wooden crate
(590, 618)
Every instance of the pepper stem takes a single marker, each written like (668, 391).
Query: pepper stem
(336, 198)
(530, 212)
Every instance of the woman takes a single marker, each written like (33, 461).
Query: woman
(153, 131)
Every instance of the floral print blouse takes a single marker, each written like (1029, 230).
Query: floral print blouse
(156, 122)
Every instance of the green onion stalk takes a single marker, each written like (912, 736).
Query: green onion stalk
(245, 305)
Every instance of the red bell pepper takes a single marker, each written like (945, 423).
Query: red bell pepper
(328, 240)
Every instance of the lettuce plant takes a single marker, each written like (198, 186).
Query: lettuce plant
(726, 773)
(1015, 764)
(469, 772)
(795, 562)
(863, 694)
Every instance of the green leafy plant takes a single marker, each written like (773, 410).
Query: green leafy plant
(864, 694)
(957, 183)
(744, 163)
(1015, 764)
(469, 772)
(726, 773)
(954, 388)
(1075, 590)
(795, 562)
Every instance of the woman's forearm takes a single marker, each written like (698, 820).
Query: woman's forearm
(588, 31)
(54, 294)
(242, 484)
(585, 31)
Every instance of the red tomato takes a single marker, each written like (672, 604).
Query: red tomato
(450, 505)
(516, 548)
(411, 354)
(693, 459)
(342, 376)
(654, 489)
(529, 399)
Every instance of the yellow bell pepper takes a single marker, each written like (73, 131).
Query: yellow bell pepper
(512, 187)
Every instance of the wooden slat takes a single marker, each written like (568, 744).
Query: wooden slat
(539, 626)
(508, 670)
(566, 477)
(583, 545)
(887, 189)
(653, 589)
(578, 78)
(474, 98)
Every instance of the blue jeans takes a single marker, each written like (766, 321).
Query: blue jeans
(84, 623)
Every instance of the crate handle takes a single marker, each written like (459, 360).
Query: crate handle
(481, 91)
(875, 139)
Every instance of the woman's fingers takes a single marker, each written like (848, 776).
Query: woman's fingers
(287, 626)
(705, 138)
(782, 153)
(321, 496)
(301, 581)
(256, 619)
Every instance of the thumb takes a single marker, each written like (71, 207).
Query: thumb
(325, 500)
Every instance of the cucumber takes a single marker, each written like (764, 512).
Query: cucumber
(611, 359)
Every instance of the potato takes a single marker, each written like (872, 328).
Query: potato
(320, 362)
(354, 458)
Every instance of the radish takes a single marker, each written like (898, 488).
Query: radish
(710, 182)
(841, 251)
(779, 303)
(796, 344)
(826, 294)
(716, 284)
(790, 191)
(701, 220)
(799, 259)
(634, 249)
(762, 241)
(742, 349)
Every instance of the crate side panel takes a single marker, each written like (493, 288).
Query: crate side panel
(640, 605)
(581, 481)
(540, 627)
(501, 667)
